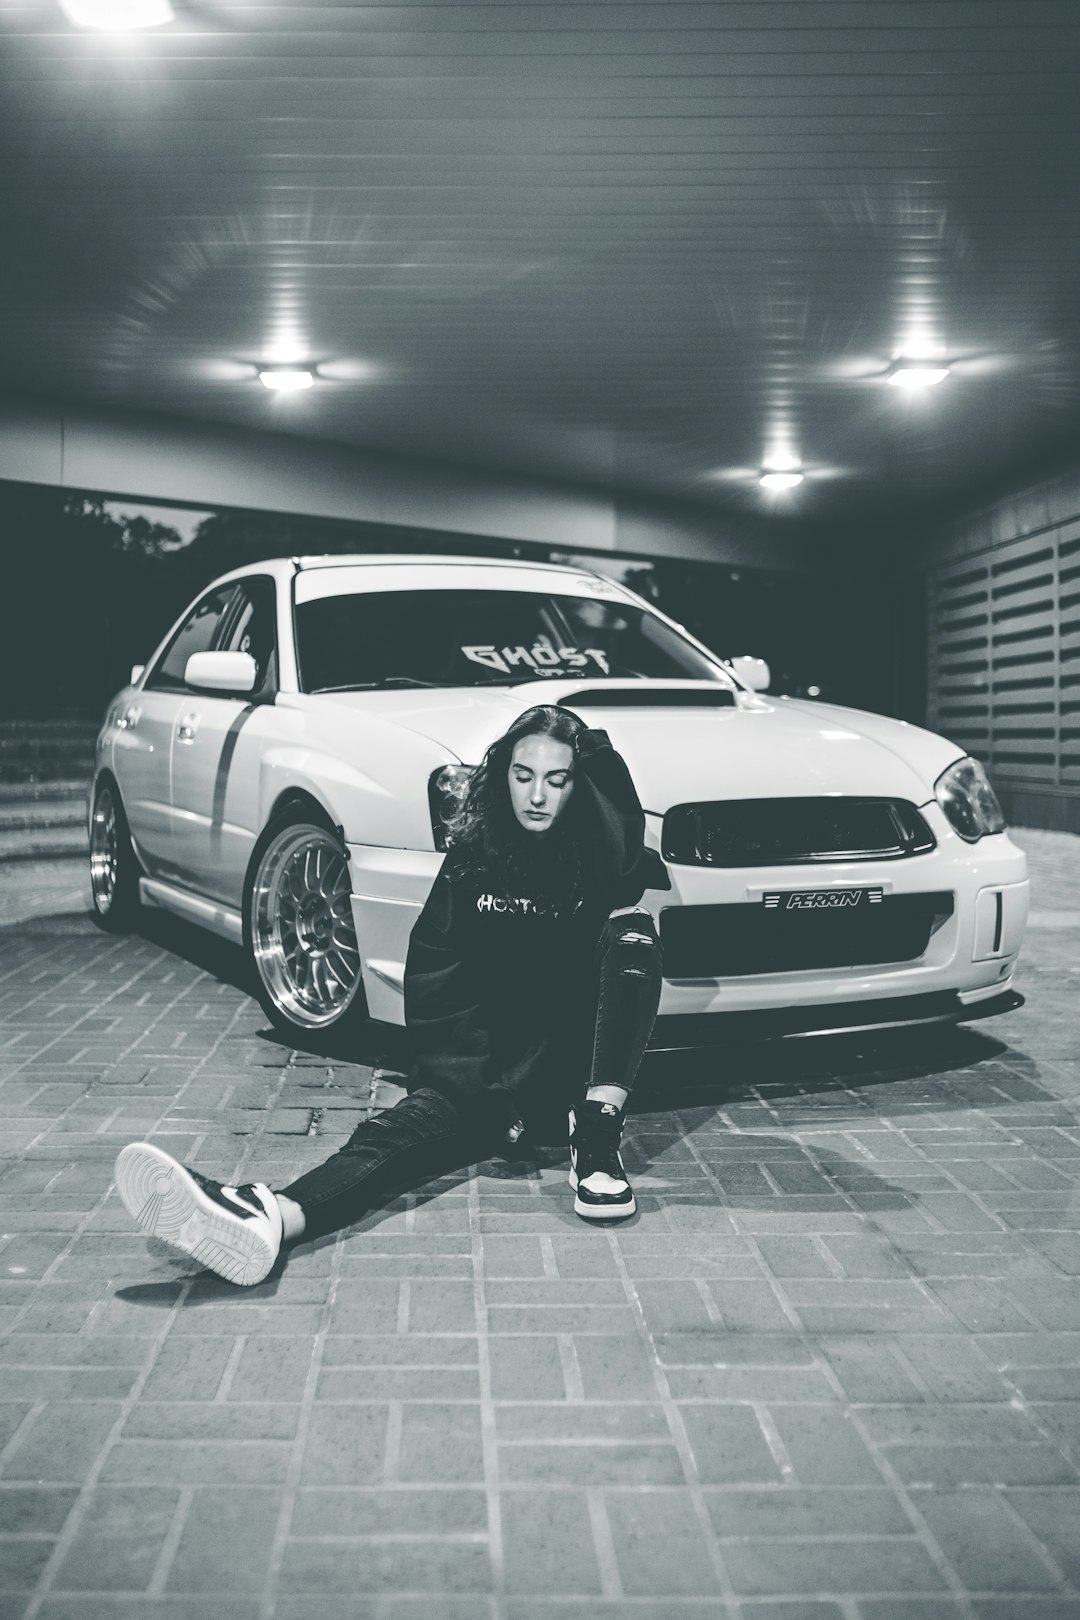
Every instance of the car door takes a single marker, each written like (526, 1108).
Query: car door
(143, 752)
(216, 747)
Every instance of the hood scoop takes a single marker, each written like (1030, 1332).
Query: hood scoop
(649, 697)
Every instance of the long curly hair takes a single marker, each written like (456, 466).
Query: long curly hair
(484, 833)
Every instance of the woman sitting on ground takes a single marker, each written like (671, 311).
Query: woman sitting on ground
(533, 977)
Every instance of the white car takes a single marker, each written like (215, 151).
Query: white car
(281, 770)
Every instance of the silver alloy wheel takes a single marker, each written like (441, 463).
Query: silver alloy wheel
(302, 934)
(104, 851)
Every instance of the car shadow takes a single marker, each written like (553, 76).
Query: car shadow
(229, 964)
(813, 1066)
(816, 1072)
(202, 949)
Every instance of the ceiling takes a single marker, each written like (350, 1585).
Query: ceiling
(644, 246)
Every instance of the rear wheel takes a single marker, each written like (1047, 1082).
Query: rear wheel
(299, 930)
(114, 867)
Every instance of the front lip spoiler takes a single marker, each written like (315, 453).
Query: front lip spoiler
(680, 1031)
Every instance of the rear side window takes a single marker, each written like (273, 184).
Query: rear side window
(252, 628)
(196, 634)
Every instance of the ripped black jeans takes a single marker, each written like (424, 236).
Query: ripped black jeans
(426, 1135)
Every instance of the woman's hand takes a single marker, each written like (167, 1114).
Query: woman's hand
(590, 740)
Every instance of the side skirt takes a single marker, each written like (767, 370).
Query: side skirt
(193, 908)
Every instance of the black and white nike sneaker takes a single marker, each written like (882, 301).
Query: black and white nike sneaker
(235, 1231)
(597, 1174)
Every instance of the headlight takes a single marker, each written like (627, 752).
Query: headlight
(446, 792)
(969, 802)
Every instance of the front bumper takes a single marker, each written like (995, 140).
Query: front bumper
(389, 890)
(969, 959)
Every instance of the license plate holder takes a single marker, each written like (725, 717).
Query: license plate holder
(850, 899)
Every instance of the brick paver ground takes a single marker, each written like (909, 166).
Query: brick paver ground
(831, 1371)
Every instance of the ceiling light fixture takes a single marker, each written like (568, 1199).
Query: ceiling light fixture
(780, 480)
(285, 379)
(916, 374)
(117, 14)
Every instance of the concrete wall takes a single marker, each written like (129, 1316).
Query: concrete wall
(1045, 506)
(172, 460)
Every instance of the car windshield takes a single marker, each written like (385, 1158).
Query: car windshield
(484, 638)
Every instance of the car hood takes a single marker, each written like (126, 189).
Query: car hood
(759, 748)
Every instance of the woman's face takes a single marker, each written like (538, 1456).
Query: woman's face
(541, 779)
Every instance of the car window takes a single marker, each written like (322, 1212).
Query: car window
(251, 628)
(485, 638)
(196, 634)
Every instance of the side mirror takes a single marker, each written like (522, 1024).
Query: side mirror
(753, 672)
(221, 671)
(136, 672)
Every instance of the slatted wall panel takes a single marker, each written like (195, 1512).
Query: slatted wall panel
(1069, 603)
(1004, 658)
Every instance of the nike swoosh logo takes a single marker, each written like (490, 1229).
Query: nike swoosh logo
(229, 1197)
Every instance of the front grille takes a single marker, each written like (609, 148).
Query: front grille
(785, 832)
(721, 942)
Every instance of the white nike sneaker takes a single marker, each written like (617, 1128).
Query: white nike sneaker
(597, 1173)
(235, 1231)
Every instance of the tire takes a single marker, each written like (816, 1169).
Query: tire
(114, 866)
(298, 929)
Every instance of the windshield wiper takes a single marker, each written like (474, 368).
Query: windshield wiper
(514, 680)
(373, 686)
(578, 675)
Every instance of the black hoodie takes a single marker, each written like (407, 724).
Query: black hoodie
(500, 989)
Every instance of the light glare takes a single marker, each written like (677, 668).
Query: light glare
(918, 346)
(117, 14)
(286, 352)
(285, 379)
(905, 375)
(780, 480)
(781, 461)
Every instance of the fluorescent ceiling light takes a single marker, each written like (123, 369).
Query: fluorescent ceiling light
(118, 14)
(285, 379)
(916, 374)
(780, 480)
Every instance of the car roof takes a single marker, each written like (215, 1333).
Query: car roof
(284, 568)
(428, 559)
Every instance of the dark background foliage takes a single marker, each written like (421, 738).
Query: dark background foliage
(91, 588)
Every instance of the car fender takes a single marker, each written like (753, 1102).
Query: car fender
(369, 775)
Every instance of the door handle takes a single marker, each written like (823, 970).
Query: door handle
(189, 725)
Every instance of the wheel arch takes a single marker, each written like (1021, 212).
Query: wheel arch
(107, 777)
(295, 803)
(120, 910)
(293, 799)
(295, 807)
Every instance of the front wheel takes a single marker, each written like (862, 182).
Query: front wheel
(299, 931)
(114, 866)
